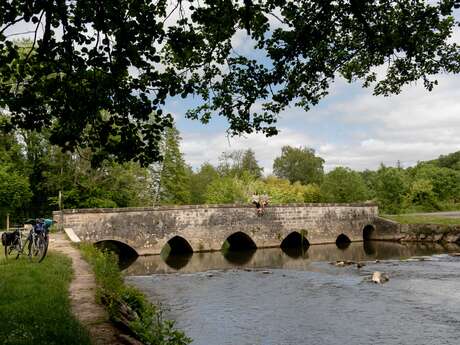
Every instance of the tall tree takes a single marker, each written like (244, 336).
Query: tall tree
(392, 185)
(445, 182)
(15, 193)
(108, 55)
(451, 160)
(239, 162)
(173, 175)
(200, 182)
(343, 185)
(249, 164)
(299, 164)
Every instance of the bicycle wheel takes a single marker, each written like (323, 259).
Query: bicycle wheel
(20, 249)
(38, 248)
(31, 246)
(13, 250)
(44, 244)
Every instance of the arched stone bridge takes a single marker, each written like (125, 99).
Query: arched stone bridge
(213, 227)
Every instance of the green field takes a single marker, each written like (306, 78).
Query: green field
(34, 303)
(423, 219)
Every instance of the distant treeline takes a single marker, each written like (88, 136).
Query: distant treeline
(32, 172)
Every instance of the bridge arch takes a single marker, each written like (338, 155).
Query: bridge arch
(238, 241)
(295, 240)
(126, 254)
(295, 245)
(176, 245)
(342, 241)
(368, 232)
(121, 248)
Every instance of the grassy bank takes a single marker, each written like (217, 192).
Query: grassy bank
(420, 219)
(34, 303)
(127, 307)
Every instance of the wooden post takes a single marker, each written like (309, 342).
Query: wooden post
(7, 222)
(61, 226)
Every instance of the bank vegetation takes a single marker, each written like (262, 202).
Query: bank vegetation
(127, 307)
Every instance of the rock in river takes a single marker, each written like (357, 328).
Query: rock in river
(379, 277)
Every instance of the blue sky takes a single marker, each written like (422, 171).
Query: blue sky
(350, 127)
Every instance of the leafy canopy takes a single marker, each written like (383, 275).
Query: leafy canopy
(127, 57)
(299, 164)
(343, 185)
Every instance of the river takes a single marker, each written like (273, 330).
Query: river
(273, 297)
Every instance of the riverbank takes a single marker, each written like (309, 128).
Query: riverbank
(127, 307)
(426, 227)
(82, 292)
(35, 307)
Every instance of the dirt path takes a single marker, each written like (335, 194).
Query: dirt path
(82, 295)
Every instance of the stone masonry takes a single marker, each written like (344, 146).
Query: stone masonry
(206, 227)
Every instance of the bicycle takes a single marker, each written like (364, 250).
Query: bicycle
(13, 243)
(36, 243)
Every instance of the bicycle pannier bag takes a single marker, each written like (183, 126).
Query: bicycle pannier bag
(8, 238)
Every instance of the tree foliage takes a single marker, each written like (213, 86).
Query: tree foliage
(299, 165)
(391, 187)
(126, 58)
(239, 162)
(15, 192)
(343, 185)
(281, 191)
(200, 181)
(451, 161)
(421, 194)
(173, 175)
(226, 190)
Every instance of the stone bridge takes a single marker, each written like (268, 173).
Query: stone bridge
(197, 228)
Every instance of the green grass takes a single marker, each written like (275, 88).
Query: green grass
(147, 323)
(34, 303)
(417, 219)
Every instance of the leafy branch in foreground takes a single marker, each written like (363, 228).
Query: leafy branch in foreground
(98, 73)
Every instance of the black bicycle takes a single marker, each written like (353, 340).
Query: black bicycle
(35, 244)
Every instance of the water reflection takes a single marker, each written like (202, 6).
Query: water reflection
(342, 242)
(240, 257)
(296, 252)
(369, 247)
(178, 261)
(287, 258)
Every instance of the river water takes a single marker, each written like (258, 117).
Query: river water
(271, 297)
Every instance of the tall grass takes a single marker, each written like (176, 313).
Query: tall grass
(34, 303)
(127, 306)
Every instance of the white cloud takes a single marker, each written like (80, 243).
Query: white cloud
(206, 146)
(358, 130)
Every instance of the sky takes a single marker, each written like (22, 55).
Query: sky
(350, 127)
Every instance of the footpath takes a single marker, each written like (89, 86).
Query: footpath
(83, 295)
